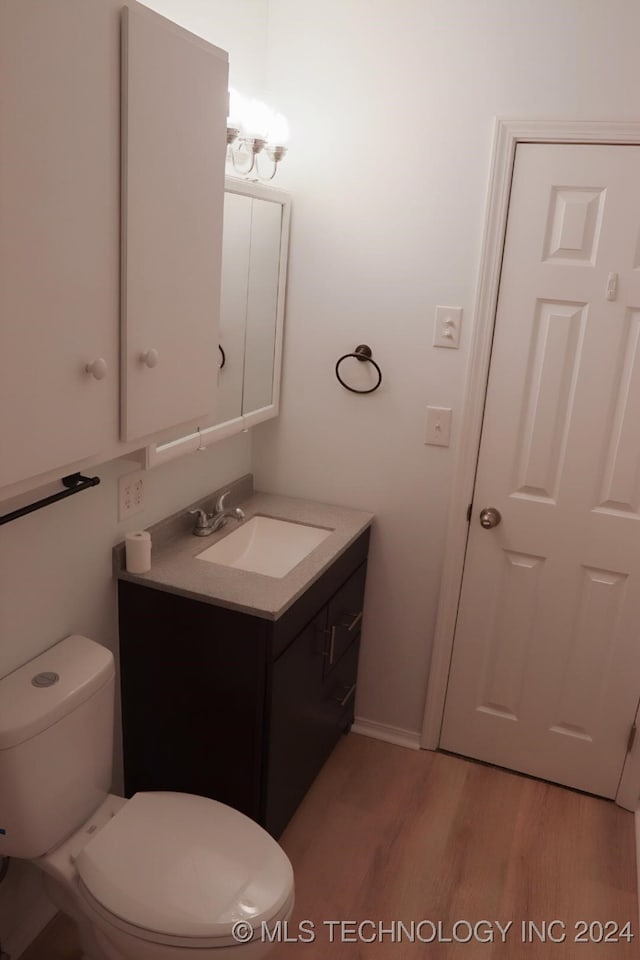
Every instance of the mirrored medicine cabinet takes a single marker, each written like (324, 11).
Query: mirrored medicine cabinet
(246, 370)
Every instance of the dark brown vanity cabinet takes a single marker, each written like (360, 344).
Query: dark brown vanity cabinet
(233, 706)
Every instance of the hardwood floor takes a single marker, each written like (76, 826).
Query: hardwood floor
(388, 835)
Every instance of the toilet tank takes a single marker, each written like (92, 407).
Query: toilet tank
(56, 742)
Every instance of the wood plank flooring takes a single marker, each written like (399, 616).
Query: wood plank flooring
(388, 835)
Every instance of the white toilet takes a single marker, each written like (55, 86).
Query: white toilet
(163, 876)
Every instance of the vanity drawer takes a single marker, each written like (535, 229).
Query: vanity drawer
(323, 591)
(344, 617)
(340, 688)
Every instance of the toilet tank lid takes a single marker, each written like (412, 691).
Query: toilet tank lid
(67, 674)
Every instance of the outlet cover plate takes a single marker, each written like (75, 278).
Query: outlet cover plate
(131, 494)
(447, 327)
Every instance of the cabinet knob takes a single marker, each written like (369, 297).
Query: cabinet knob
(97, 369)
(150, 358)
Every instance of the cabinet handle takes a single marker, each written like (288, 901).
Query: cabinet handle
(343, 701)
(357, 617)
(325, 653)
(150, 358)
(97, 368)
(332, 644)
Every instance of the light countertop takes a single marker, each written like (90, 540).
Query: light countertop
(176, 568)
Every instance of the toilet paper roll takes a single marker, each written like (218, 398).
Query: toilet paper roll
(138, 551)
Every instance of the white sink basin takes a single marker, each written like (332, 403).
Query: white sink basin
(266, 545)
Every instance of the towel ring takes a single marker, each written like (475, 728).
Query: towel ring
(224, 358)
(362, 353)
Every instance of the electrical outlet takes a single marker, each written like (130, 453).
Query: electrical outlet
(131, 494)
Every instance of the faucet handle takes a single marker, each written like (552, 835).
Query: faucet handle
(203, 519)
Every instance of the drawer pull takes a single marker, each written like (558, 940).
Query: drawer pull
(357, 617)
(343, 701)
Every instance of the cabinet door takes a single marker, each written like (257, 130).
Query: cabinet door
(262, 305)
(236, 247)
(302, 729)
(59, 232)
(174, 142)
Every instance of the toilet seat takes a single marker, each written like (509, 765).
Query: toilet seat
(180, 870)
(102, 918)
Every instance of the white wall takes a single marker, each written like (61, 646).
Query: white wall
(238, 26)
(391, 107)
(55, 565)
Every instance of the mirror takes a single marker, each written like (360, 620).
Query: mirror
(248, 303)
(255, 240)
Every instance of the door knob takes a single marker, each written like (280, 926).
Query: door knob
(490, 517)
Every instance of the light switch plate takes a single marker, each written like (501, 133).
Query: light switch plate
(438, 428)
(446, 330)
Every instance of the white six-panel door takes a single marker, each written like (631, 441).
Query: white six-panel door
(545, 675)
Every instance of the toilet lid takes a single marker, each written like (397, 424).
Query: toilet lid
(185, 866)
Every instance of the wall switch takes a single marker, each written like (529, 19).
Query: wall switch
(131, 494)
(438, 429)
(448, 323)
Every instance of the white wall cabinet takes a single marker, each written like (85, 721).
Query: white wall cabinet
(174, 142)
(60, 231)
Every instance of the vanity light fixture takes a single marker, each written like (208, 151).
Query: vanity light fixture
(254, 128)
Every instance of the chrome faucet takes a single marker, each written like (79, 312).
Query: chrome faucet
(208, 523)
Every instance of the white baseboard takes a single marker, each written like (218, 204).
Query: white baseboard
(40, 913)
(383, 731)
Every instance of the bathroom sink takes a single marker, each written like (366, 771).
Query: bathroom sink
(266, 545)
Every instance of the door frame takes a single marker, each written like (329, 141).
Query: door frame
(507, 135)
